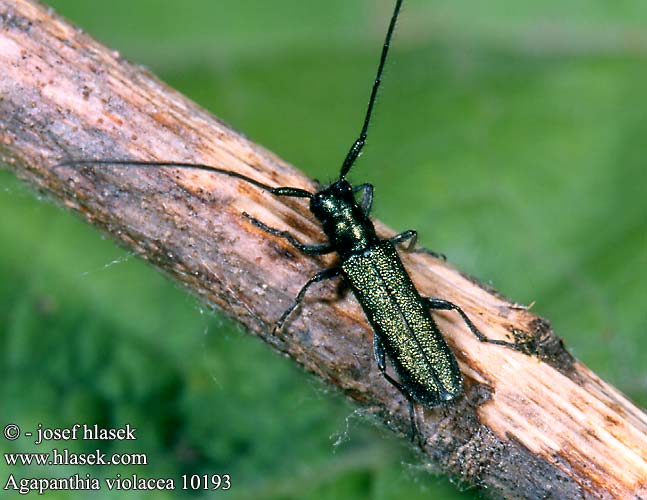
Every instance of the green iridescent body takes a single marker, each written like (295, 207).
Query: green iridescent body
(403, 325)
(403, 328)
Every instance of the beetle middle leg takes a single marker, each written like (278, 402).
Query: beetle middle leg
(444, 305)
(380, 357)
(320, 249)
(412, 236)
(325, 274)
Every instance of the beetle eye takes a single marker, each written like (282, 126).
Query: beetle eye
(344, 187)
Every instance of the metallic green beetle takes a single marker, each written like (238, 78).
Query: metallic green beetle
(404, 330)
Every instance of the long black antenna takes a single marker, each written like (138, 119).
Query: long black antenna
(278, 191)
(357, 146)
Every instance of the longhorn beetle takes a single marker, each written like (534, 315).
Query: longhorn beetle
(404, 330)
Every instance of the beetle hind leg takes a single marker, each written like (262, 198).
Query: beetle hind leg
(380, 358)
(445, 305)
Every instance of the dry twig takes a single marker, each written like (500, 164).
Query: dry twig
(540, 426)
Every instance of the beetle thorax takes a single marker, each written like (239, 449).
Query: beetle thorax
(347, 226)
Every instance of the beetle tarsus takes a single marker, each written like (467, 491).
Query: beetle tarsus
(412, 236)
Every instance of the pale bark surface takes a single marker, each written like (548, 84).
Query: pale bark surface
(540, 426)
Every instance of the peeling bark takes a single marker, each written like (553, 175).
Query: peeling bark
(538, 425)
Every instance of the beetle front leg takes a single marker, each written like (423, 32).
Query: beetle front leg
(320, 249)
(444, 305)
(367, 197)
(412, 236)
(325, 274)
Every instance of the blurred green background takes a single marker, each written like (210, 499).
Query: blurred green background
(510, 135)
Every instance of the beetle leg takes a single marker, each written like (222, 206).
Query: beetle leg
(325, 274)
(412, 236)
(320, 249)
(342, 289)
(444, 305)
(367, 197)
(380, 357)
